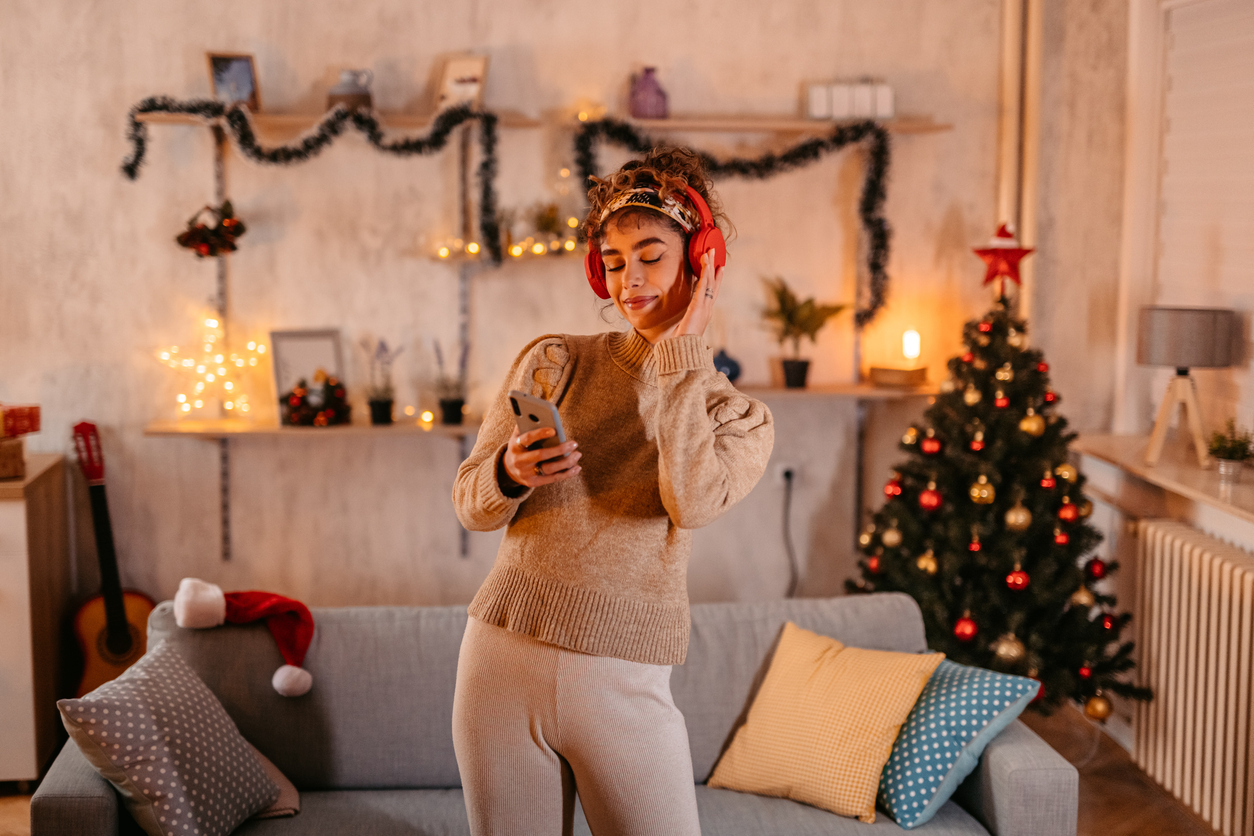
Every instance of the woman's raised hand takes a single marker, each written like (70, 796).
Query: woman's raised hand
(701, 306)
(543, 465)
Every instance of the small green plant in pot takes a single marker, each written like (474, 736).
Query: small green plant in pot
(380, 393)
(794, 318)
(1232, 448)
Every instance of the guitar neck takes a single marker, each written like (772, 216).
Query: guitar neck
(110, 582)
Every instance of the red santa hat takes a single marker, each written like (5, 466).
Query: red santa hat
(199, 604)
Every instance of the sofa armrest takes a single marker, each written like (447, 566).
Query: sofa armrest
(1022, 787)
(73, 800)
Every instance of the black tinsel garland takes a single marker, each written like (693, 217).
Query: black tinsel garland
(321, 135)
(870, 206)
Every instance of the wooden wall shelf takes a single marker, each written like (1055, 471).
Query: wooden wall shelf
(783, 124)
(860, 391)
(302, 121)
(228, 428)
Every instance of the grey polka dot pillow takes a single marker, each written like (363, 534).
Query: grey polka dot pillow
(160, 736)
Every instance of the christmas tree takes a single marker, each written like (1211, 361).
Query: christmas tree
(986, 524)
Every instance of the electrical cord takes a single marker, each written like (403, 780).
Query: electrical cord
(794, 571)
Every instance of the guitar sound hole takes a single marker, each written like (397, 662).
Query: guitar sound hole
(102, 647)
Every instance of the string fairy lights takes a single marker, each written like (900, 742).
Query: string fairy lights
(213, 380)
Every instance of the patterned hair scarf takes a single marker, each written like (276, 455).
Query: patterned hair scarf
(650, 199)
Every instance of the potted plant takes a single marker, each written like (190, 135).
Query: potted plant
(380, 393)
(793, 319)
(1231, 447)
(451, 389)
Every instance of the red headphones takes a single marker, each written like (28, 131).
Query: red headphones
(705, 237)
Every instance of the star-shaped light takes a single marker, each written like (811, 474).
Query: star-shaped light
(214, 381)
(1002, 255)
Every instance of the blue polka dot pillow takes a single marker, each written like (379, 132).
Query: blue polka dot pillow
(960, 710)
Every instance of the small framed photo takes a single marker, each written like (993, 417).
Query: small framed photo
(234, 79)
(463, 80)
(300, 355)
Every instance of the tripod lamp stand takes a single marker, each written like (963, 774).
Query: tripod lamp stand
(1185, 338)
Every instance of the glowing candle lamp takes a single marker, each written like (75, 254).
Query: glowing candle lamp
(910, 345)
(427, 416)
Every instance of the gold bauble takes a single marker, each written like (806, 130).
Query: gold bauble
(1032, 424)
(891, 538)
(1005, 373)
(911, 436)
(1066, 471)
(947, 385)
(1086, 508)
(982, 493)
(1014, 338)
(1008, 649)
(927, 562)
(1098, 707)
(982, 339)
(1018, 518)
(979, 363)
(1083, 597)
(972, 396)
(864, 539)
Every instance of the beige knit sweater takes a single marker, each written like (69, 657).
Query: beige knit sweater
(599, 563)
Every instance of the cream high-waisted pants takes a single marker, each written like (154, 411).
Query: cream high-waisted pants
(533, 723)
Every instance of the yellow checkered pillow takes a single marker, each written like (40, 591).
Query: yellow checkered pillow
(823, 723)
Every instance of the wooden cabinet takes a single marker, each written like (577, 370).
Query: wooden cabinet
(34, 604)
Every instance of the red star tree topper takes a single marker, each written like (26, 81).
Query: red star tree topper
(1002, 255)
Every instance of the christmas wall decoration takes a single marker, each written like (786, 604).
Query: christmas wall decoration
(870, 205)
(238, 121)
(213, 380)
(215, 237)
(323, 405)
(997, 555)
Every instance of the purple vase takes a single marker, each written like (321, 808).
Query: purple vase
(648, 99)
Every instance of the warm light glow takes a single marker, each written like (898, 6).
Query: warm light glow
(572, 222)
(565, 172)
(186, 407)
(217, 358)
(188, 362)
(228, 386)
(910, 345)
(252, 344)
(208, 346)
(244, 407)
(261, 349)
(409, 410)
(199, 403)
(239, 361)
(252, 361)
(442, 252)
(210, 378)
(165, 355)
(182, 399)
(570, 246)
(427, 416)
(472, 248)
(515, 250)
(200, 370)
(221, 371)
(200, 387)
(538, 248)
(211, 323)
(583, 116)
(229, 405)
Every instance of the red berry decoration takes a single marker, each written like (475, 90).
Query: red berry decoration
(1018, 580)
(1095, 568)
(1048, 481)
(965, 629)
(968, 357)
(892, 488)
(930, 445)
(1050, 397)
(974, 545)
(1108, 621)
(873, 564)
(985, 327)
(930, 498)
(1060, 537)
(1069, 512)
(1085, 671)
(1042, 367)
(1001, 401)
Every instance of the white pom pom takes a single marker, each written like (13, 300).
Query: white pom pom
(199, 604)
(291, 681)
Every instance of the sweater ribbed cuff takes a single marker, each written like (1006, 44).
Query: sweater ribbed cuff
(683, 354)
(491, 498)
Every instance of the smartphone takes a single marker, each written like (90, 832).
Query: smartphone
(532, 413)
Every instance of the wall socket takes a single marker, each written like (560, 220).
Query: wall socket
(783, 471)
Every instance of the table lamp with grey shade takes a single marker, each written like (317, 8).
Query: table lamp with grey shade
(1187, 338)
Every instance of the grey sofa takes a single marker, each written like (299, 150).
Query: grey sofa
(371, 749)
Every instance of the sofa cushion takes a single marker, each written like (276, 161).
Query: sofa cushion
(159, 736)
(959, 712)
(731, 645)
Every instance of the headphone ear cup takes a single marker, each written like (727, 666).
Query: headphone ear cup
(594, 269)
(703, 240)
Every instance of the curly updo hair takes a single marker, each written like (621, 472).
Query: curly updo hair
(666, 168)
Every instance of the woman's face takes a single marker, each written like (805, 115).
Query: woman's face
(646, 272)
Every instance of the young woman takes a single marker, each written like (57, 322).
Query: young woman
(563, 682)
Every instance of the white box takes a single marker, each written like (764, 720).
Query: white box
(863, 100)
(842, 100)
(883, 101)
(819, 101)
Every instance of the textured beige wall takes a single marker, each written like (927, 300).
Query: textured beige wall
(91, 282)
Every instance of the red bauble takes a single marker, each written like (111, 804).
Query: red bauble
(1061, 538)
(1108, 622)
(892, 488)
(931, 446)
(974, 545)
(1018, 580)
(203, 249)
(1085, 671)
(977, 445)
(1069, 512)
(1001, 402)
(965, 629)
(1047, 482)
(873, 564)
(968, 357)
(294, 400)
(985, 327)
(930, 499)
(1095, 568)
(1050, 397)
(1042, 367)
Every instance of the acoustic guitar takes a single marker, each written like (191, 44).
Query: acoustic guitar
(112, 627)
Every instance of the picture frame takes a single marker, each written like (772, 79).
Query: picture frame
(462, 81)
(233, 78)
(299, 354)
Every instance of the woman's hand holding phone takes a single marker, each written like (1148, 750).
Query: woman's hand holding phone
(543, 465)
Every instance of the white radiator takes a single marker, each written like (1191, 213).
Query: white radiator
(1195, 601)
